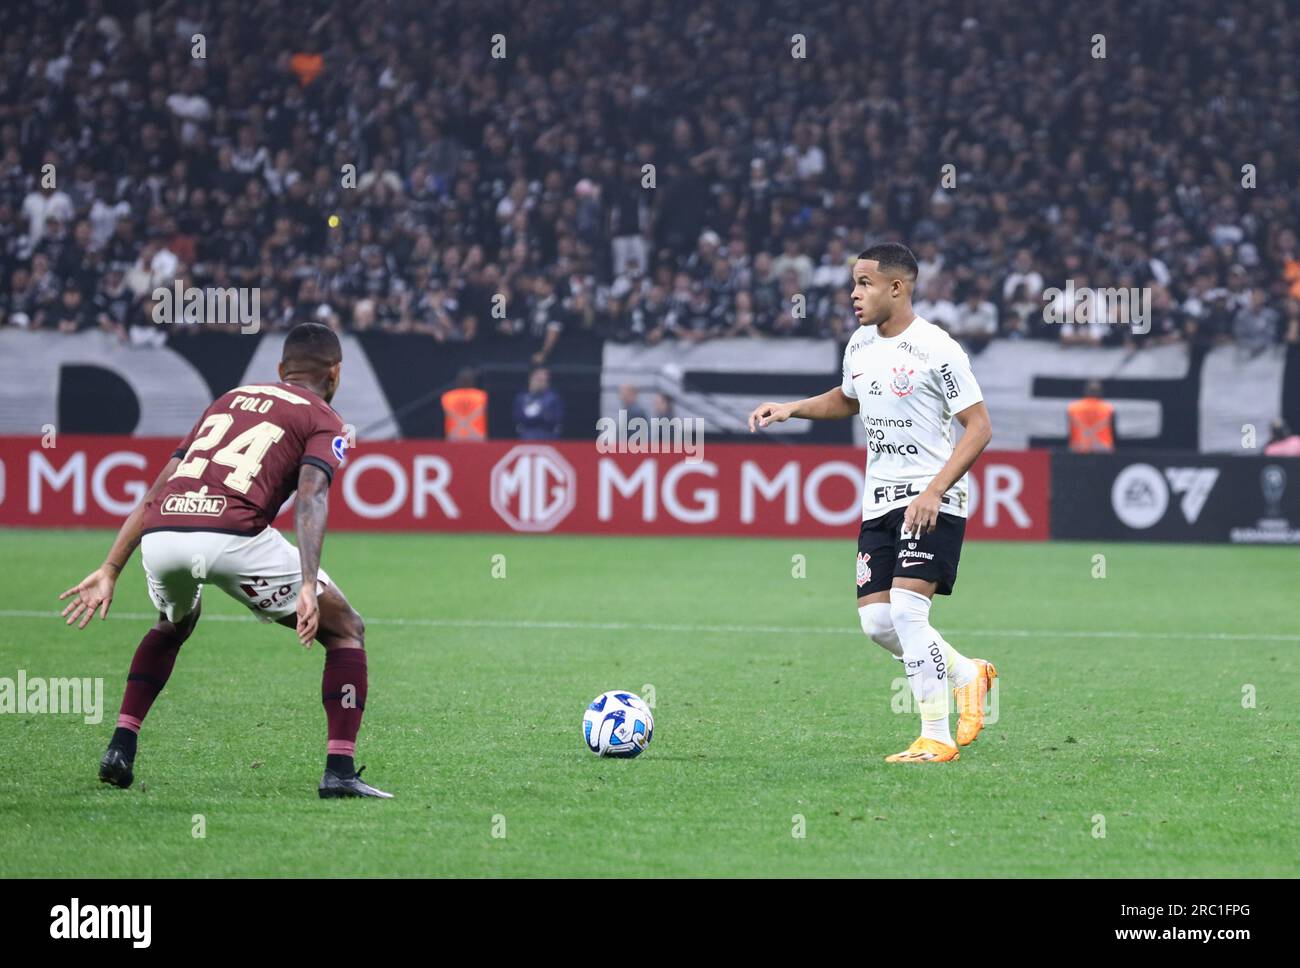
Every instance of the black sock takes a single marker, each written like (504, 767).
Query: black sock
(340, 764)
(124, 740)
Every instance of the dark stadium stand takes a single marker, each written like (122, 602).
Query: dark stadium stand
(524, 175)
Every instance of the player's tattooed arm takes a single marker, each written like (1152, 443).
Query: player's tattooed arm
(831, 405)
(923, 513)
(95, 591)
(311, 510)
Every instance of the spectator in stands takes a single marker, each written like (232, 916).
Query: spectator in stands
(1086, 315)
(45, 205)
(975, 320)
(663, 407)
(73, 314)
(1022, 278)
(1282, 441)
(1024, 314)
(937, 305)
(629, 400)
(1255, 325)
(541, 168)
(539, 411)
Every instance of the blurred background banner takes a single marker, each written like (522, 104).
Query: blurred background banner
(566, 487)
(1176, 497)
(1170, 397)
(757, 489)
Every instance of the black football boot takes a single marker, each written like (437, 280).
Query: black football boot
(115, 768)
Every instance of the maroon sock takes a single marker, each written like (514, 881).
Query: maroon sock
(150, 669)
(343, 692)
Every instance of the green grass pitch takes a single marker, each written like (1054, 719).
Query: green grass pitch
(1123, 712)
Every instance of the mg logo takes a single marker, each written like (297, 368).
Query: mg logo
(533, 487)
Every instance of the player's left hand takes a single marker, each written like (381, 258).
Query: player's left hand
(94, 592)
(308, 615)
(922, 514)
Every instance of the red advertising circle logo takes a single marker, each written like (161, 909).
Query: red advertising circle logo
(533, 487)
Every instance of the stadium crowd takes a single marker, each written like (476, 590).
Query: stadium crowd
(372, 164)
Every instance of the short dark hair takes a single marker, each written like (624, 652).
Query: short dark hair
(892, 255)
(312, 344)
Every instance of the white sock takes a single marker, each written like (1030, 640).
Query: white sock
(961, 670)
(925, 659)
(880, 628)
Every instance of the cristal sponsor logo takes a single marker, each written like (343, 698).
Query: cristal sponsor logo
(533, 488)
(102, 922)
(191, 305)
(67, 697)
(198, 502)
(949, 382)
(1083, 305)
(653, 435)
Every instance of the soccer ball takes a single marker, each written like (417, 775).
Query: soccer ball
(618, 724)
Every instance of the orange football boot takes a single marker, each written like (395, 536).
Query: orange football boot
(925, 751)
(970, 702)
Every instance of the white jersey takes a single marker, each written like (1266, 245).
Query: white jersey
(907, 388)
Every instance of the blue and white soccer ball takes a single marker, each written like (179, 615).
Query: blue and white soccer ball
(618, 724)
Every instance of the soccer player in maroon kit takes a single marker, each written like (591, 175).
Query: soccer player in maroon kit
(207, 520)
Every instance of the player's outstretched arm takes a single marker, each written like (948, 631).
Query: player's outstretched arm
(923, 513)
(95, 591)
(831, 405)
(311, 510)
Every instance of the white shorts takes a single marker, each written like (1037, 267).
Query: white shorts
(262, 571)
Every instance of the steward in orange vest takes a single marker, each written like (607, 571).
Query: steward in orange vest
(464, 409)
(1092, 422)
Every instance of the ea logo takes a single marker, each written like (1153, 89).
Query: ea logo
(1139, 495)
(533, 488)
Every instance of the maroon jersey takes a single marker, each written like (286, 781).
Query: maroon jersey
(241, 460)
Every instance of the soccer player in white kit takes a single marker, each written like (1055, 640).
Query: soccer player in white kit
(906, 379)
